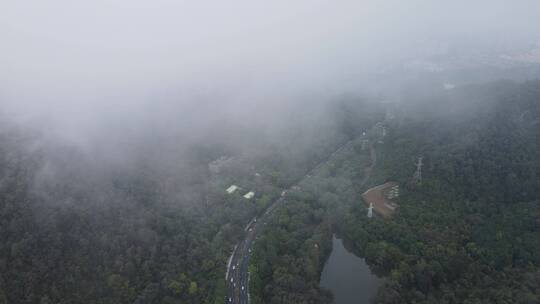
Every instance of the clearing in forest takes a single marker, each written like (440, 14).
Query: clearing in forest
(379, 197)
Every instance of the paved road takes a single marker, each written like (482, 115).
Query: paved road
(237, 269)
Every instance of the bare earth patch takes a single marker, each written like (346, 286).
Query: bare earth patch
(378, 197)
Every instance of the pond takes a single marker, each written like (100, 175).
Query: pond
(348, 276)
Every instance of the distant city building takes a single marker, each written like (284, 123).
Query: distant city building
(389, 116)
(449, 86)
(365, 143)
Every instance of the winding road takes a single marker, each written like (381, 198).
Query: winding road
(237, 276)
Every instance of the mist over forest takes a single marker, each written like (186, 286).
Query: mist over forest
(124, 124)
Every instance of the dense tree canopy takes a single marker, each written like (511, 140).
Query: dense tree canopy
(155, 227)
(470, 232)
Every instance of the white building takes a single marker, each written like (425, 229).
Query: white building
(449, 86)
(249, 195)
(232, 188)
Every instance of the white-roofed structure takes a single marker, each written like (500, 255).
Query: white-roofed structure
(231, 189)
(449, 86)
(249, 195)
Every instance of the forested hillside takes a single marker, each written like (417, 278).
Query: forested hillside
(470, 232)
(154, 225)
(290, 254)
(158, 227)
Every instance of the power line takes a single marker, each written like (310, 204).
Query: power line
(417, 177)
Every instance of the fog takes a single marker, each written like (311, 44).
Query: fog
(125, 124)
(83, 70)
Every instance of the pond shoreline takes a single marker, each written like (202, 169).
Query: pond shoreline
(348, 276)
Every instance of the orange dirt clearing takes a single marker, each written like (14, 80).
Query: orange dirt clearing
(381, 204)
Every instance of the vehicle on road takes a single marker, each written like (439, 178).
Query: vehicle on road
(241, 295)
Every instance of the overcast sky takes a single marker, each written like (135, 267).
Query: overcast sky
(75, 61)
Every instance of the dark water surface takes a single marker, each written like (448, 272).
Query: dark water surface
(348, 277)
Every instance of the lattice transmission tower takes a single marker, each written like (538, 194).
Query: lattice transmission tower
(417, 177)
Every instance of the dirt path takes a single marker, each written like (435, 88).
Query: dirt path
(367, 171)
(375, 194)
